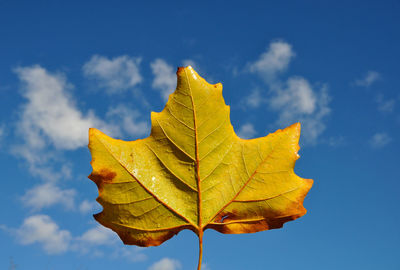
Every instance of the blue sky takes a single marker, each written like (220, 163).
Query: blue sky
(333, 66)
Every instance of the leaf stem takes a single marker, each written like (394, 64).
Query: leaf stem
(200, 249)
(199, 201)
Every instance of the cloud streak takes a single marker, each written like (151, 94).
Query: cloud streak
(129, 120)
(116, 74)
(247, 131)
(273, 61)
(166, 264)
(368, 79)
(48, 194)
(297, 101)
(164, 77)
(50, 122)
(41, 229)
(50, 114)
(294, 99)
(380, 140)
(385, 105)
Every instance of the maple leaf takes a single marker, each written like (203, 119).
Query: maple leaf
(193, 172)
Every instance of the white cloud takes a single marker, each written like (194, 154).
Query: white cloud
(246, 131)
(49, 121)
(129, 120)
(166, 264)
(49, 194)
(37, 160)
(95, 238)
(116, 74)
(294, 99)
(87, 206)
(380, 140)
(368, 79)
(133, 254)
(164, 77)
(297, 101)
(50, 113)
(98, 235)
(2, 134)
(255, 99)
(205, 267)
(43, 230)
(274, 60)
(385, 105)
(96, 241)
(41, 163)
(336, 141)
(189, 62)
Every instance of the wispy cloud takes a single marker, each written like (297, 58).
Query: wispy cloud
(164, 77)
(98, 235)
(48, 194)
(49, 123)
(368, 79)
(87, 206)
(205, 266)
(41, 229)
(255, 99)
(166, 264)
(50, 114)
(297, 101)
(294, 99)
(129, 120)
(2, 134)
(336, 141)
(99, 239)
(273, 61)
(246, 131)
(129, 253)
(385, 105)
(190, 62)
(114, 74)
(380, 140)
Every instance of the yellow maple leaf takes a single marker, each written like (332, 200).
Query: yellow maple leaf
(193, 172)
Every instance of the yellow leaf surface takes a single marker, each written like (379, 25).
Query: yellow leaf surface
(193, 172)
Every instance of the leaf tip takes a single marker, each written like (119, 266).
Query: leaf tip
(94, 132)
(296, 127)
(181, 69)
(309, 183)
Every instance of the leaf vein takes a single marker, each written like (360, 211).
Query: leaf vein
(163, 163)
(149, 191)
(174, 143)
